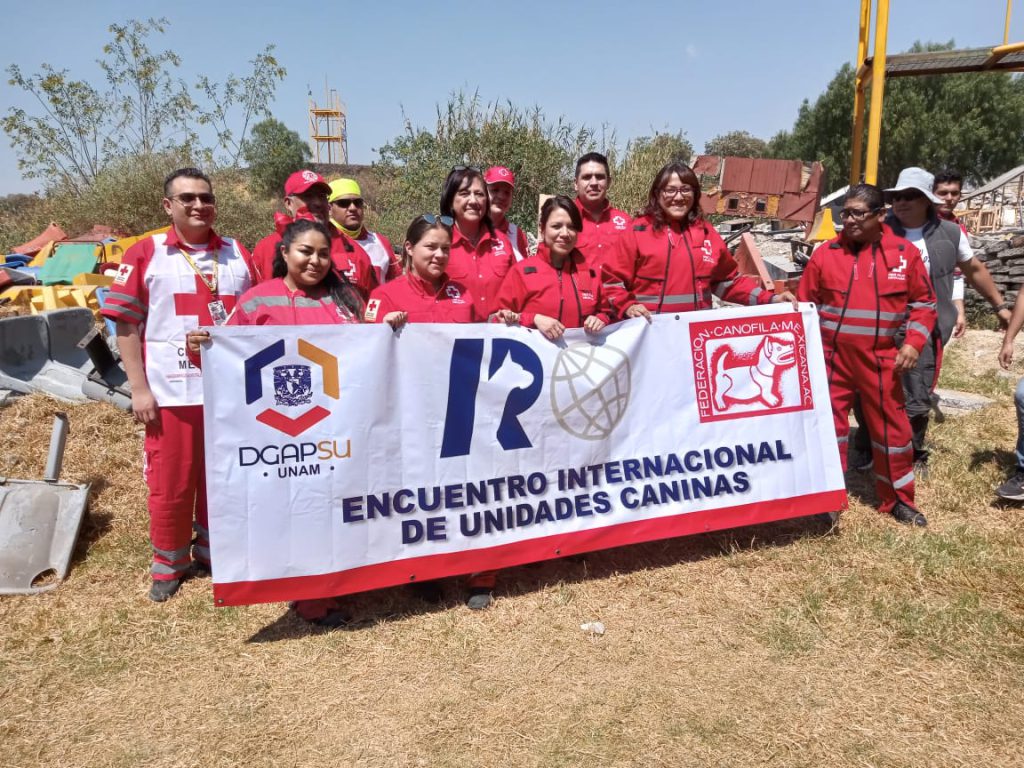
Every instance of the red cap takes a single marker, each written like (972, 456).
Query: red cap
(301, 181)
(499, 174)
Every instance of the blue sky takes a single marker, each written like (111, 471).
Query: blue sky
(704, 68)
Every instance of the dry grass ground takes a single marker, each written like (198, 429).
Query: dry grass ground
(777, 645)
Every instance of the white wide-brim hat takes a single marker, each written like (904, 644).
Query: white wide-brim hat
(914, 178)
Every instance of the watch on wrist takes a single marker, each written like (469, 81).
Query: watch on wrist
(1000, 307)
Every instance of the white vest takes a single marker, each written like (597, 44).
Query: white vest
(380, 256)
(178, 303)
(513, 236)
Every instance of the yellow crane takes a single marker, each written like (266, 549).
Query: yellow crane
(873, 71)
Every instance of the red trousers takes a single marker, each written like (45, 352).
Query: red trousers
(871, 374)
(174, 470)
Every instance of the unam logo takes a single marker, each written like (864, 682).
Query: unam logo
(293, 385)
(750, 367)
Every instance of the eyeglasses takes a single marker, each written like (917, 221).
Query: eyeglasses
(349, 202)
(856, 215)
(670, 192)
(899, 197)
(431, 219)
(188, 198)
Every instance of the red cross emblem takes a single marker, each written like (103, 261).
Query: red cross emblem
(198, 303)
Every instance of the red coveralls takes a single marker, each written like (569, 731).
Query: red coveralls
(598, 238)
(451, 303)
(348, 257)
(154, 270)
(668, 271)
(867, 299)
(570, 295)
(482, 268)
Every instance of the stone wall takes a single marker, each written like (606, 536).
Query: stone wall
(1005, 261)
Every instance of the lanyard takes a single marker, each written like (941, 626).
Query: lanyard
(210, 283)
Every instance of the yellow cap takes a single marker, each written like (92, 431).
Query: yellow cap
(344, 188)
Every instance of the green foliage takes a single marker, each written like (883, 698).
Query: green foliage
(640, 163)
(736, 144)
(273, 153)
(968, 122)
(81, 130)
(414, 165)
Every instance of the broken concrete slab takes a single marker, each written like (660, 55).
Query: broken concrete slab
(955, 400)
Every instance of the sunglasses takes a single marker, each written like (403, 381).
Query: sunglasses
(432, 219)
(849, 213)
(188, 198)
(899, 197)
(349, 202)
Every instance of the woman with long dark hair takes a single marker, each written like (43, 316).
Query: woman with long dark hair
(481, 256)
(672, 259)
(555, 289)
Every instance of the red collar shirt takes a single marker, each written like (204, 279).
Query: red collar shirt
(669, 271)
(481, 268)
(570, 294)
(451, 303)
(348, 256)
(598, 238)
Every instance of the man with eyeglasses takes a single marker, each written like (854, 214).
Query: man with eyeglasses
(877, 311)
(501, 183)
(348, 210)
(943, 247)
(602, 224)
(305, 197)
(168, 285)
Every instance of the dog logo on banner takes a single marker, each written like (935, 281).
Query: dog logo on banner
(292, 386)
(750, 367)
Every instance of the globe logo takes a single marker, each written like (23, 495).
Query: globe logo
(590, 388)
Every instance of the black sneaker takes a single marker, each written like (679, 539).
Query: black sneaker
(163, 589)
(479, 598)
(1012, 489)
(906, 514)
(333, 620)
(199, 570)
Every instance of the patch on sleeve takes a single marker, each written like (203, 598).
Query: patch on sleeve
(372, 307)
(123, 273)
(529, 270)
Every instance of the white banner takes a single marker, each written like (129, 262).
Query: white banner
(347, 458)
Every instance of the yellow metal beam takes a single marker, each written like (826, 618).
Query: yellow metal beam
(877, 91)
(1006, 28)
(860, 81)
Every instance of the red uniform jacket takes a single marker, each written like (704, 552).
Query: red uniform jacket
(570, 295)
(481, 269)
(348, 257)
(675, 272)
(598, 239)
(451, 303)
(867, 297)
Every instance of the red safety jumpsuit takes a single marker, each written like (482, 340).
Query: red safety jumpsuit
(347, 255)
(480, 268)
(669, 271)
(599, 236)
(167, 288)
(868, 300)
(570, 294)
(451, 303)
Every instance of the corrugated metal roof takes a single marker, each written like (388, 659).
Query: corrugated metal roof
(762, 177)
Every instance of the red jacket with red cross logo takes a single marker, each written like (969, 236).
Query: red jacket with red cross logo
(570, 294)
(481, 268)
(867, 297)
(599, 236)
(450, 303)
(669, 271)
(348, 257)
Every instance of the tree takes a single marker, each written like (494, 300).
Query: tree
(273, 153)
(414, 165)
(736, 144)
(968, 122)
(143, 109)
(252, 94)
(641, 161)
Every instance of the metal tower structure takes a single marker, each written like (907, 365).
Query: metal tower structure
(328, 128)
